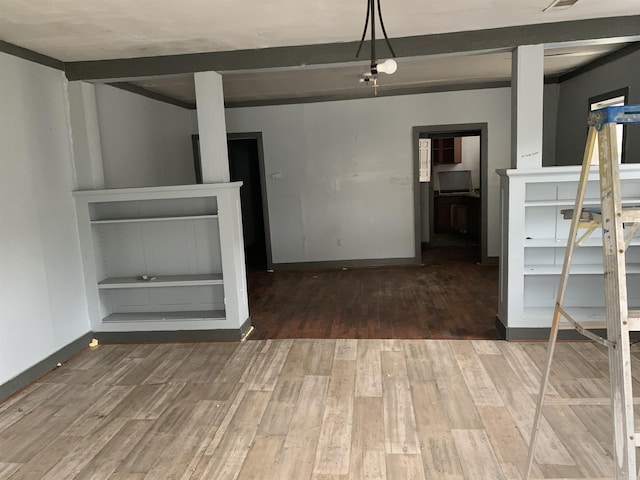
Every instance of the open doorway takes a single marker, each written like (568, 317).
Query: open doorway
(450, 187)
(246, 164)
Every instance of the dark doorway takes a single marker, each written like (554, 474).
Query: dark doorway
(244, 166)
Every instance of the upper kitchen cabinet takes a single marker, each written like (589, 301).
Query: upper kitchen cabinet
(446, 150)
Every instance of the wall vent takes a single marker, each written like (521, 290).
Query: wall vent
(560, 4)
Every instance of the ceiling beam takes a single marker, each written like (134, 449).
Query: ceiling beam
(30, 55)
(366, 93)
(494, 39)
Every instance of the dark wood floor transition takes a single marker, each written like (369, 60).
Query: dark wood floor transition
(449, 297)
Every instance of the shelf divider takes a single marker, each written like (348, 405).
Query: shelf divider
(162, 316)
(154, 219)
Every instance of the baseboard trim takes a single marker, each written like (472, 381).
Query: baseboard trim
(368, 262)
(502, 329)
(43, 367)
(537, 334)
(168, 336)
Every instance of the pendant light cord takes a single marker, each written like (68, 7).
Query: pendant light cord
(371, 14)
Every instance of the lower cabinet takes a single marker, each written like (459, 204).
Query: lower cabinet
(457, 214)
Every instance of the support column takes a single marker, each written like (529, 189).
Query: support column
(212, 127)
(85, 134)
(527, 92)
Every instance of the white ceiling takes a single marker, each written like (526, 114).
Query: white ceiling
(73, 30)
(78, 30)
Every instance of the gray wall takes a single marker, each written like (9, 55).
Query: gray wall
(573, 107)
(42, 301)
(425, 200)
(144, 142)
(346, 170)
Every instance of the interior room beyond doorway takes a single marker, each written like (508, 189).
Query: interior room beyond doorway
(451, 186)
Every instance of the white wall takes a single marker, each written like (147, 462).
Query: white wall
(42, 302)
(144, 142)
(346, 190)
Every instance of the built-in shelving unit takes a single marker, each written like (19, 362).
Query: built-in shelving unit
(164, 258)
(534, 238)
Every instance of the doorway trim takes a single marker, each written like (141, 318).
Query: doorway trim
(484, 181)
(263, 186)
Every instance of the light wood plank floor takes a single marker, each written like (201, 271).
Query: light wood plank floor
(309, 409)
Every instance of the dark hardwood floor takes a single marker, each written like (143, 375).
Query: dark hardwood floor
(449, 297)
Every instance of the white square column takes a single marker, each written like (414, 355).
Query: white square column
(85, 136)
(212, 128)
(527, 91)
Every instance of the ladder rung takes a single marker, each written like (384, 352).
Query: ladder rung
(634, 320)
(587, 324)
(631, 215)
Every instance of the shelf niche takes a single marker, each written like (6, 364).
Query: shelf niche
(164, 258)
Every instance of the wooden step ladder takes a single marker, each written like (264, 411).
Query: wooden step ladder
(612, 218)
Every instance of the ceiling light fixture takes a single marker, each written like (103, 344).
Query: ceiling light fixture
(388, 66)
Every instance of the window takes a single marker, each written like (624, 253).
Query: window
(424, 145)
(611, 99)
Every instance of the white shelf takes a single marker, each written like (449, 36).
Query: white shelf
(570, 202)
(576, 269)
(164, 316)
(154, 219)
(595, 240)
(548, 243)
(589, 317)
(559, 203)
(161, 281)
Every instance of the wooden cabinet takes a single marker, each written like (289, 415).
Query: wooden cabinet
(446, 150)
(457, 214)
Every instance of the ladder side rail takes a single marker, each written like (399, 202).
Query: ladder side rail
(555, 324)
(616, 305)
